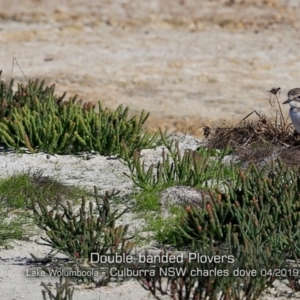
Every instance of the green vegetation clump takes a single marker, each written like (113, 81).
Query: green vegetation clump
(63, 290)
(239, 272)
(79, 233)
(190, 168)
(259, 204)
(35, 118)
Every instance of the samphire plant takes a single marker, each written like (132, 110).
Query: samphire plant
(235, 271)
(35, 118)
(256, 220)
(78, 234)
(259, 203)
(191, 167)
(63, 291)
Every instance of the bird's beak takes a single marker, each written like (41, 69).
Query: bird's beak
(287, 101)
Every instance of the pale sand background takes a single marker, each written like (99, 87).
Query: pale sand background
(189, 64)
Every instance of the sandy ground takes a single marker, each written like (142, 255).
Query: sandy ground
(189, 63)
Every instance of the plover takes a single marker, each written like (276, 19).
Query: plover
(294, 102)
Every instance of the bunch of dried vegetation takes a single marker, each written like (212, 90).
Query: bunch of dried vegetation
(259, 140)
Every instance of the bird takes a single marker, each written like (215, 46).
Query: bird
(294, 102)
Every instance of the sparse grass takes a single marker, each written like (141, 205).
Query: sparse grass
(164, 229)
(148, 201)
(14, 226)
(16, 191)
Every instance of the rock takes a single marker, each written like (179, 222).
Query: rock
(183, 196)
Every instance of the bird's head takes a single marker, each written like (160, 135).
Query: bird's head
(293, 98)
